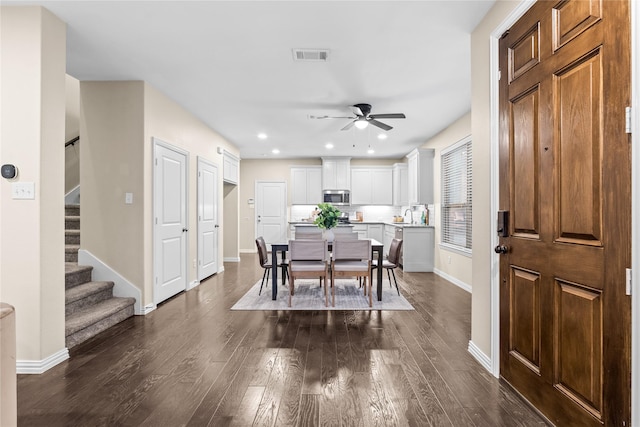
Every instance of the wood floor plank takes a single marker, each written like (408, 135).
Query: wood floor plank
(195, 362)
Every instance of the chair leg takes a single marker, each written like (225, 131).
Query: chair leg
(394, 279)
(262, 283)
(389, 277)
(368, 279)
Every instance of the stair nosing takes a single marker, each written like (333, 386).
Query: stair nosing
(87, 289)
(79, 320)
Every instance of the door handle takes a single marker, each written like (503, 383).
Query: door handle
(258, 218)
(501, 249)
(216, 226)
(184, 230)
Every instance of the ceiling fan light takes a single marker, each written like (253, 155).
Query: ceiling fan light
(362, 124)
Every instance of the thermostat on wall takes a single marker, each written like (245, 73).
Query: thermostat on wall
(9, 171)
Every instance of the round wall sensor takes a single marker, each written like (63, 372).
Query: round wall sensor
(9, 171)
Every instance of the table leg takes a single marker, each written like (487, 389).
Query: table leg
(274, 274)
(379, 272)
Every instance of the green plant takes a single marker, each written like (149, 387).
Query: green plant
(328, 216)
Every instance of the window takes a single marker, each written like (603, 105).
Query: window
(456, 195)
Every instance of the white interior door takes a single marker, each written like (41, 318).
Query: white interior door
(271, 211)
(207, 219)
(170, 221)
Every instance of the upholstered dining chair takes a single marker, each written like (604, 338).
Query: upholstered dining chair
(351, 258)
(308, 259)
(392, 261)
(308, 233)
(265, 262)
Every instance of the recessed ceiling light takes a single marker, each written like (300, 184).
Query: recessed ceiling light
(370, 151)
(328, 146)
(382, 136)
(262, 135)
(275, 151)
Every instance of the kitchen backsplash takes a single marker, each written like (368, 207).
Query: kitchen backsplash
(369, 213)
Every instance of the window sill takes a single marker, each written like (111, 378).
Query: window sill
(457, 249)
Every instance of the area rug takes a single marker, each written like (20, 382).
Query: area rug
(310, 296)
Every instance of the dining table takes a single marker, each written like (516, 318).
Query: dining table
(376, 249)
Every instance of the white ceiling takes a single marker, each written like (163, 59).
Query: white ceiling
(230, 63)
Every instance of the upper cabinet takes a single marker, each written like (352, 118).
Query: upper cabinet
(306, 185)
(372, 186)
(336, 173)
(420, 176)
(400, 183)
(230, 168)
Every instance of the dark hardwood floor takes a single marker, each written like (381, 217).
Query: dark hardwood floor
(194, 362)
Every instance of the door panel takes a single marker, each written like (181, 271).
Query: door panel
(565, 177)
(207, 219)
(170, 213)
(271, 212)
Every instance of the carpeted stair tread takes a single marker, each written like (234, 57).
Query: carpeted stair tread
(76, 274)
(72, 222)
(97, 313)
(71, 237)
(72, 210)
(71, 253)
(86, 289)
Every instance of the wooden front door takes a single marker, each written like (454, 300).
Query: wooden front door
(565, 181)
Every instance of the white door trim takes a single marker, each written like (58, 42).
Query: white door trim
(158, 142)
(200, 270)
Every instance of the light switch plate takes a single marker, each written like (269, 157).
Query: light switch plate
(23, 190)
(128, 198)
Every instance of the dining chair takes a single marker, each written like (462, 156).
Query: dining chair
(308, 259)
(392, 261)
(308, 233)
(265, 262)
(351, 258)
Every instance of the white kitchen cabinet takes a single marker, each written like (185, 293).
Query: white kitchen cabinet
(375, 231)
(417, 249)
(372, 186)
(306, 185)
(230, 168)
(420, 176)
(361, 229)
(400, 183)
(336, 173)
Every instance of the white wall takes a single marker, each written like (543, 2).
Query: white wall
(118, 123)
(483, 217)
(33, 57)
(459, 269)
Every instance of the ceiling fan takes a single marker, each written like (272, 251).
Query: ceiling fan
(362, 117)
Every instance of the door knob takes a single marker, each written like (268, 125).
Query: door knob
(501, 249)
(216, 226)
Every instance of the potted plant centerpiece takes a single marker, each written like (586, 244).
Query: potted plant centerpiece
(327, 219)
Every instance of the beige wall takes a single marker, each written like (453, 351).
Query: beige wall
(33, 56)
(118, 123)
(460, 265)
(71, 130)
(481, 133)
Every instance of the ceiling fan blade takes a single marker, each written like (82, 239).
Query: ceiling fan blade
(349, 126)
(379, 124)
(329, 117)
(388, 116)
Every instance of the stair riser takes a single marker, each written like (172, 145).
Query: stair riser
(71, 239)
(93, 330)
(77, 278)
(72, 211)
(87, 301)
(72, 223)
(71, 256)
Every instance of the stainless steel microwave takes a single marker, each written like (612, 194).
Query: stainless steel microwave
(337, 197)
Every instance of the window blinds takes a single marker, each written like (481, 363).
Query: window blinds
(456, 194)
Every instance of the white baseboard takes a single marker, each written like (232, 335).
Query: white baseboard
(73, 196)
(231, 259)
(248, 251)
(148, 309)
(102, 272)
(41, 366)
(221, 269)
(457, 282)
(482, 358)
(193, 284)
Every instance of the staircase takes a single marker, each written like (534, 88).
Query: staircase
(90, 306)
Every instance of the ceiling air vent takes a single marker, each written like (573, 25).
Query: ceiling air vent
(314, 55)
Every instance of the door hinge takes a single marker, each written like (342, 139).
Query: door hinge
(629, 284)
(156, 159)
(628, 119)
(499, 74)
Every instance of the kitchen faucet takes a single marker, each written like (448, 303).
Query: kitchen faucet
(410, 213)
